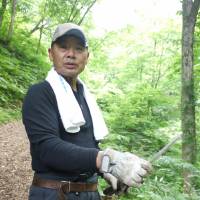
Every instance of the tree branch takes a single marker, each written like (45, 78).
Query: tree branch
(157, 155)
(72, 10)
(88, 9)
(76, 13)
(37, 26)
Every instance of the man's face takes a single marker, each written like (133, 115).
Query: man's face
(69, 57)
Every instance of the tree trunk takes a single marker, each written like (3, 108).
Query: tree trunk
(11, 27)
(2, 11)
(190, 10)
(40, 38)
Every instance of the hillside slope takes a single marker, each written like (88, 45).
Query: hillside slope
(20, 66)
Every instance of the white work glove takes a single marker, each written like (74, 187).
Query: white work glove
(126, 167)
(112, 180)
(117, 187)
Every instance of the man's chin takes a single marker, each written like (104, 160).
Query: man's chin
(69, 75)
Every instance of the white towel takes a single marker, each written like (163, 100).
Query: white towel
(69, 109)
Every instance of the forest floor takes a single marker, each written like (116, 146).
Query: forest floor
(15, 162)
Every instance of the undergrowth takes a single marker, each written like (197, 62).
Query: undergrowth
(20, 66)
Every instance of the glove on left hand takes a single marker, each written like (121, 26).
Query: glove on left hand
(111, 180)
(126, 167)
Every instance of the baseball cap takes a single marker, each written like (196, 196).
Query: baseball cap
(70, 29)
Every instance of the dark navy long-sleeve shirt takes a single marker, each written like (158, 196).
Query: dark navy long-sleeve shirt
(56, 153)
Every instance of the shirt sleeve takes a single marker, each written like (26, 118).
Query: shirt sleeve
(42, 126)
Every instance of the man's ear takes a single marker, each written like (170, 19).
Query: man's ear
(50, 54)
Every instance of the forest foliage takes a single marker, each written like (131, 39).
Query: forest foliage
(134, 75)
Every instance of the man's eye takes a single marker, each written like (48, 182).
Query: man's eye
(79, 48)
(63, 46)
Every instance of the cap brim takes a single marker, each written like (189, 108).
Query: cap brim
(75, 33)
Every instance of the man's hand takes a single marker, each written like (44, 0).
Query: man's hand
(126, 167)
(112, 180)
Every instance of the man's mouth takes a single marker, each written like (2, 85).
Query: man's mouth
(70, 65)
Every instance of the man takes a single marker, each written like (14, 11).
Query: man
(64, 126)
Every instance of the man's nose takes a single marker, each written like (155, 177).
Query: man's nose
(71, 53)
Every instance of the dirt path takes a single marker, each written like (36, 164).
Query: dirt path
(15, 167)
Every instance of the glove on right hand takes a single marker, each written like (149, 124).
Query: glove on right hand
(126, 167)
